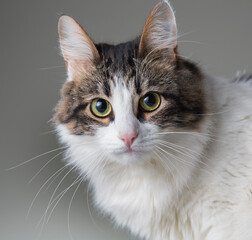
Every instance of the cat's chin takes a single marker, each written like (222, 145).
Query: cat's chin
(130, 156)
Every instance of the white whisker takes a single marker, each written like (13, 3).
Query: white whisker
(58, 171)
(48, 132)
(51, 199)
(178, 172)
(46, 165)
(197, 42)
(68, 212)
(178, 151)
(164, 164)
(56, 201)
(184, 161)
(89, 210)
(53, 67)
(214, 113)
(41, 155)
(203, 135)
(175, 157)
(59, 197)
(185, 149)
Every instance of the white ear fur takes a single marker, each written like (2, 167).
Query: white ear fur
(160, 30)
(76, 46)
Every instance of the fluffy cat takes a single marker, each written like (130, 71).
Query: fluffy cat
(167, 148)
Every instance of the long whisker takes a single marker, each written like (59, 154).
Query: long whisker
(166, 158)
(197, 158)
(52, 180)
(184, 149)
(203, 135)
(58, 171)
(53, 67)
(175, 157)
(51, 199)
(184, 161)
(178, 172)
(41, 155)
(176, 150)
(192, 133)
(189, 41)
(57, 199)
(213, 113)
(45, 165)
(165, 165)
(48, 132)
(89, 210)
(68, 212)
(64, 191)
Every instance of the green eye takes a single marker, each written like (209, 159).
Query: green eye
(150, 102)
(101, 108)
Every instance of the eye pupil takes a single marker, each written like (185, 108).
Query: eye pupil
(150, 100)
(101, 106)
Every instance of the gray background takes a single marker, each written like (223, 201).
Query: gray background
(216, 34)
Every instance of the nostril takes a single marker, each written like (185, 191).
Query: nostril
(128, 139)
(133, 138)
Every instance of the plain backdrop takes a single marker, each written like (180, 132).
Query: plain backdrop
(215, 34)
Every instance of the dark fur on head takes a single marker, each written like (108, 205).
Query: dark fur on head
(178, 82)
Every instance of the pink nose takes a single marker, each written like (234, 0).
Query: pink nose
(128, 139)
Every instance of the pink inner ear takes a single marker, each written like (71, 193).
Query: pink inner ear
(78, 68)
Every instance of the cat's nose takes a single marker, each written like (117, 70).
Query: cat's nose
(129, 138)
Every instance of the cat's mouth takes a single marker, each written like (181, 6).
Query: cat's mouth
(129, 151)
(126, 151)
(129, 155)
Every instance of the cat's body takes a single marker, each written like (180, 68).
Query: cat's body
(182, 170)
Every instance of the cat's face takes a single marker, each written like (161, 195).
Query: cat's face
(119, 101)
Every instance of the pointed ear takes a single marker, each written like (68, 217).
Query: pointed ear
(76, 46)
(160, 32)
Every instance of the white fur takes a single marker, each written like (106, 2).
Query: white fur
(166, 199)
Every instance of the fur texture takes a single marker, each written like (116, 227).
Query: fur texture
(188, 173)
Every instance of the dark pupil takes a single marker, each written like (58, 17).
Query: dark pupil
(150, 100)
(101, 106)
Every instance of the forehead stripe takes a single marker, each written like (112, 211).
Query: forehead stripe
(106, 88)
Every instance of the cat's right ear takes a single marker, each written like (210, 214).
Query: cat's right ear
(77, 48)
(160, 32)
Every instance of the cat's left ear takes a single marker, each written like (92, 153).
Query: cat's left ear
(160, 32)
(77, 48)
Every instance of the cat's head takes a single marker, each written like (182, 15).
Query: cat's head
(120, 102)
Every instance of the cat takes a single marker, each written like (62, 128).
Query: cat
(166, 148)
